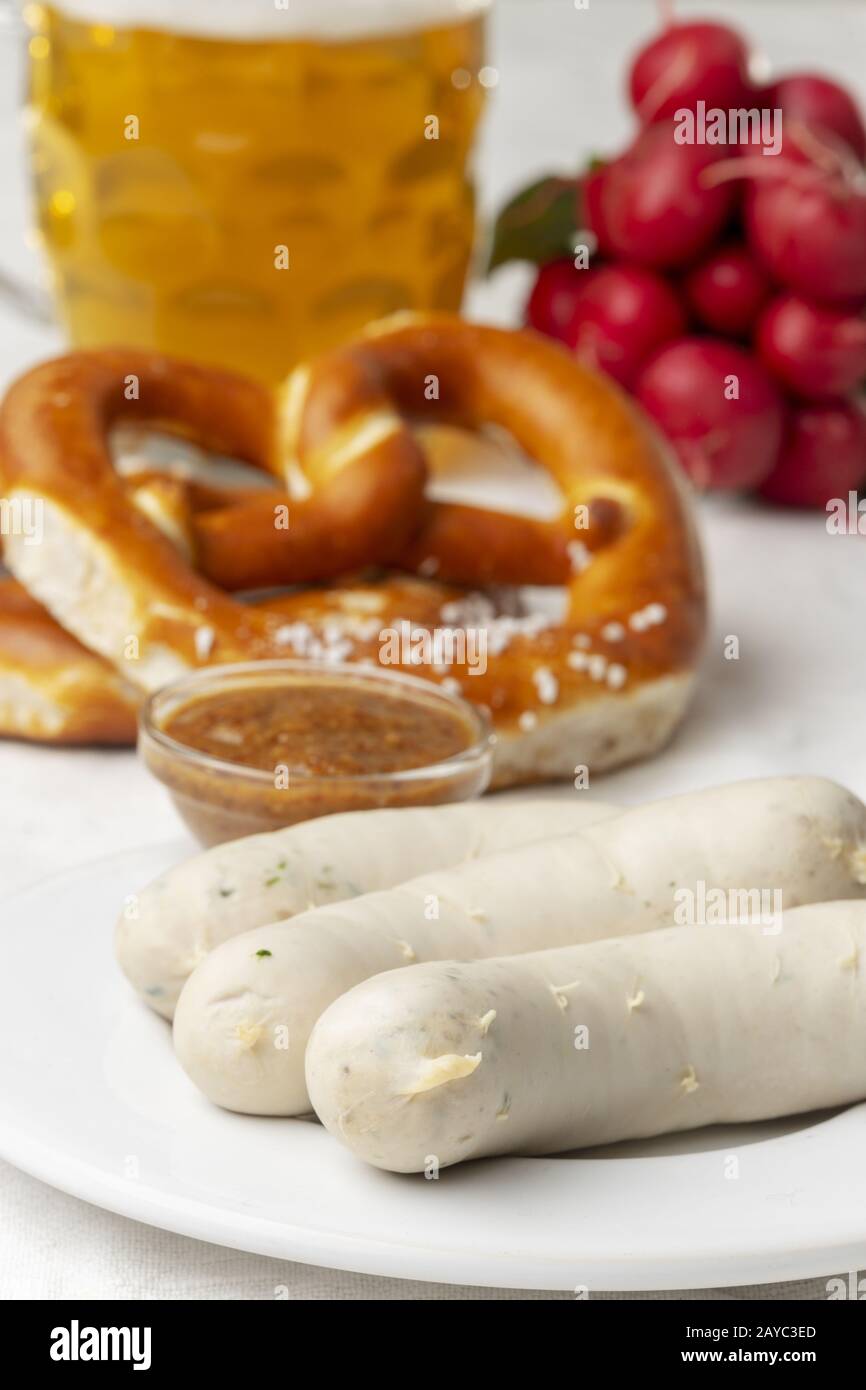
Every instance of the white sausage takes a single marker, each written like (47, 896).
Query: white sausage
(173, 923)
(683, 1027)
(245, 1015)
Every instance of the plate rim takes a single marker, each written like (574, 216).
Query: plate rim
(195, 1219)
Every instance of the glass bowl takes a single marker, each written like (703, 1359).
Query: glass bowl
(223, 799)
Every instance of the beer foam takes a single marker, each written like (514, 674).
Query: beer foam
(272, 19)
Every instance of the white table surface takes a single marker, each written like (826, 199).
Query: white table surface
(793, 595)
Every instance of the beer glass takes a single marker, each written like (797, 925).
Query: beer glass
(247, 182)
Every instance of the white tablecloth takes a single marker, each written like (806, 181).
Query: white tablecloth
(793, 595)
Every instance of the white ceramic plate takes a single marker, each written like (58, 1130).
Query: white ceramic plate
(91, 1101)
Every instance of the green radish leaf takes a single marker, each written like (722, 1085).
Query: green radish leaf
(538, 225)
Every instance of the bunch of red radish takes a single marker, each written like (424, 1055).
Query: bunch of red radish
(727, 287)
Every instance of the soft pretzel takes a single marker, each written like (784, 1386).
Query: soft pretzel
(109, 574)
(427, 369)
(610, 680)
(51, 688)
(606, 682)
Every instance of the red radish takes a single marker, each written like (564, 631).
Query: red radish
(816, 101)
(718, 407)
(728, 290)
(769, 156)
(818, 353)
(823, 456)
(808, 228)
(554, 294)
(620, 317)
(589, 206)
(654, 205)
(688, 63)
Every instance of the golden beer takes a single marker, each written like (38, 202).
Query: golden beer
(233, 186)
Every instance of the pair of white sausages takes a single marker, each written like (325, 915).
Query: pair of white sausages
(246, 1015)
(169, 927)
(563, 1049)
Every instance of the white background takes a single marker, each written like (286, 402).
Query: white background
(793, 595)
